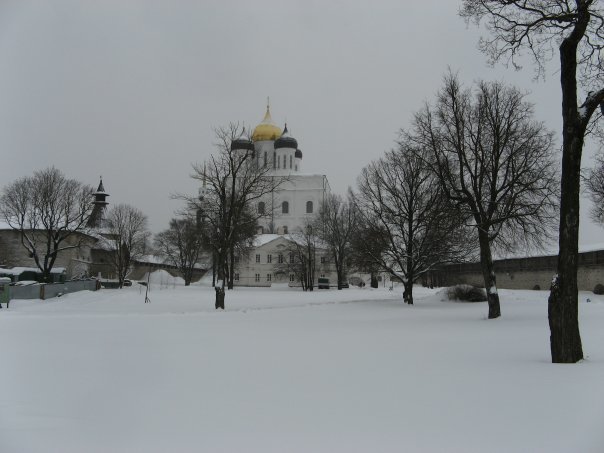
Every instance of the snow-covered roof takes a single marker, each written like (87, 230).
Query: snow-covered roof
(20, 270)
(151, 259)
(263, 239)
(550, 251)
(591, 247)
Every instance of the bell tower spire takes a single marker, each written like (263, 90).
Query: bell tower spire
(100, 204)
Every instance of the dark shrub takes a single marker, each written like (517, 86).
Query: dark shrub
(537, 288)
(466, 293)
(599, 289)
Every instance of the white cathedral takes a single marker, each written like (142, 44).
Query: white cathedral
(297, 199)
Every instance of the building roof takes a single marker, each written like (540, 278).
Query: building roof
(286, 140)
(242, 142)
(267, 129)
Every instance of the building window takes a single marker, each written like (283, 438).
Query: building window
(265, 159)
(322, 275)
(257, 258)
(237, 259)
(292, 278)
(236, 277)
(261, 207)
(269, 258)
(260, 230)
(269, 277)
(280, 258)
(285, 229)
(285, 207)
(274, 159)
(291, 160)
(322, 260)
(309, 207)
(257, 277)
(291, 257)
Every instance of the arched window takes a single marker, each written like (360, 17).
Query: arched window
(285, 229)
(278, 161)
(309, 207)
(290, 162)
(260, 230)
(285, 207)
(261, 207)
(274, 159)
(265, 159)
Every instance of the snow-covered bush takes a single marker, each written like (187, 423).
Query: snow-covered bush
(466, 293)
(599, 289)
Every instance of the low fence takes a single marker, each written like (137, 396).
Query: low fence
(50, 290)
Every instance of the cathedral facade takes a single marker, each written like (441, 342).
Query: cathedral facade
(285, 211)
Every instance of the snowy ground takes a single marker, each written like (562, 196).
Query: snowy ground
(284, 371)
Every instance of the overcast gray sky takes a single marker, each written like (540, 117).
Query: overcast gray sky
(131, 89)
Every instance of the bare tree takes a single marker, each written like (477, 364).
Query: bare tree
(367, 241)
(182, 245)
(127, 235)
(495, 162)
(576, 28)
(49, 211)
(595, 187)
(302, 252)
(414, 226)
(231, 182)
(335, 225)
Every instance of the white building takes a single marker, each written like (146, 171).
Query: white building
(285, 210)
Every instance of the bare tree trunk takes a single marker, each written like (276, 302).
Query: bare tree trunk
(219, 289)
(231, 268)
(563, 303)
(410, 276)
(340, 273)
(374, 280)
(219, 297)
(488, 273)
(408, 292)
(213, 269)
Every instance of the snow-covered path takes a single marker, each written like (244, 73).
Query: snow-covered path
(286, 371)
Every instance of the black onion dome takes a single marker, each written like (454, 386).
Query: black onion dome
(242, 143)
(298, 154)
(286, 140)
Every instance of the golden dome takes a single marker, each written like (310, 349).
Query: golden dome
(266, 130)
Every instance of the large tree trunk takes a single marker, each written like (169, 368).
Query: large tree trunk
(408, 292)
(231, 268)
(410, 274)
(563, 302)
(219, 297)
(488, 274)
(340, 274)
(374, 280)
(213, 269)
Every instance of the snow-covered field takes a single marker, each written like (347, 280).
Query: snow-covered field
(285, 371)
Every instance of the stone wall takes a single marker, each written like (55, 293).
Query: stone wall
(523, 273)
(76, 260)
